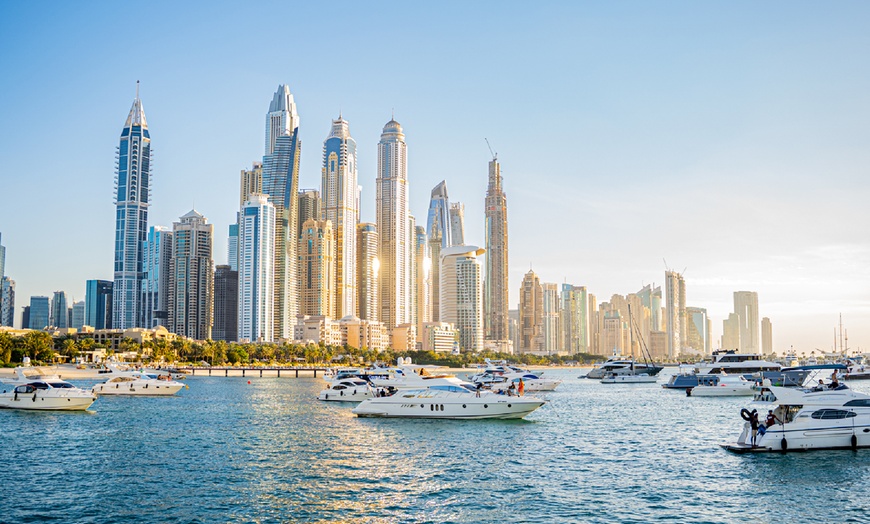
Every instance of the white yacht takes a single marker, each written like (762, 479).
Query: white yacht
(450, 402)
(136, 383)
(43, 393)
(622, 366)
(809, 419)
(499, 375)
(733, 363)
(347, 390)
(722, 385)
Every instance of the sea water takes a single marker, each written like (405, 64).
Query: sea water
(229, 451)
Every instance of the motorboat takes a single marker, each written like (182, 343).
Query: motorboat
(347, 390)
(640, 378)
(44, 393)
(502, 382)
(136, 383)
(749, 365)
(448, 402)
(856, 370)
(722, 385)
(622, 366)
(735, 363)
(836, 418)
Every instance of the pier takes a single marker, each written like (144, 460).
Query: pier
(234, 371)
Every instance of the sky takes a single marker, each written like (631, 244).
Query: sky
(724, 140)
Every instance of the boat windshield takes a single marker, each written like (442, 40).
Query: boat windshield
(61, 385)
(452, 389)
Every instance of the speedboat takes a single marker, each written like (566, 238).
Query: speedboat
(44, 393)
(450, 402)
(809, 419)
(499, 381)
(136, 383)
(347, 390)
(722, 385)
(615, 378)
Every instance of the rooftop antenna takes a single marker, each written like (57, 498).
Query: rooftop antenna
(137, 89)
(494, 155)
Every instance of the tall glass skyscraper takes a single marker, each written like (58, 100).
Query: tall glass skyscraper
(395, 240)
(2, 258)
(495, 294)
(132, 196)
(98, 304)
(59, 310)
(281, 184)
(438, 230)
(256, 270)
(7, 302)
(155, 286)
(340, 201)
(39, 313)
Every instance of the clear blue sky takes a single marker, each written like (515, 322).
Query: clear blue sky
(727, 138)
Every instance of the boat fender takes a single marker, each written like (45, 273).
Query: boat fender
(354, 392)
(783, 444)
(326, 396)
(34, 396)
(341, 393)
(746, 414)
(854, 442)
(16, 396)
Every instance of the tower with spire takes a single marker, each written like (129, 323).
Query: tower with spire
(281, 184)
(395, 239)
(132, 198)
(495, 294)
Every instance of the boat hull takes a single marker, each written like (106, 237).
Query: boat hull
(349, 395)
(720, 391)
(630, 379)
(140, 390)
(508, 408)
(40, 402)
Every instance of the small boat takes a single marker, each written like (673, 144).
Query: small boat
(622, 365)
(837, 418)
(136, 383)
(347, 390)
(614, 378)
(722, 385)
(46, 393)
(448, 402)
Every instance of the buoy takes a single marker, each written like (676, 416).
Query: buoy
(249, 382)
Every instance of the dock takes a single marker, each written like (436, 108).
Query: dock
(234, 371)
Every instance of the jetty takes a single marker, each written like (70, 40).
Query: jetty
(261, 371)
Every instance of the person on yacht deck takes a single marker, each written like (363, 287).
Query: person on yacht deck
(771, 418)
(753, 423)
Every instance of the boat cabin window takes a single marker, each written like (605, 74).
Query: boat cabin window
(61, 385)
(39, 385)
(832, 414)
(25, 389)
(790, 413)
(452, 389)
(339, 386)
(858, 403)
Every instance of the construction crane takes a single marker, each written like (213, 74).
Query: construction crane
(494, 155)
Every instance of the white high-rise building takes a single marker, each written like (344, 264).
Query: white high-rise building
(256, 270)
(746, 308)
(394, 238)
(438, 232)
(340, 200)
(675, 312)
(462, 294)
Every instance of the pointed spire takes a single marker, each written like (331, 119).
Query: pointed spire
(137, 112)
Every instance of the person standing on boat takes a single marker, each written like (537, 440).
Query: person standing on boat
(521, 388)
(753, 423)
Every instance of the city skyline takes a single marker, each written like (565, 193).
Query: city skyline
(738, 159)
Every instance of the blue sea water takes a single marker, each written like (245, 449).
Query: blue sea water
(229, 451)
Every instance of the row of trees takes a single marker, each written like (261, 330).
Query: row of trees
(41, 347)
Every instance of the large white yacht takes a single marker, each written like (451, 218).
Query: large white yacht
(734, 363)
(809, 419)
(722, 385)
(450, 402)
(622, 366)
(136, 383)
(45, 392)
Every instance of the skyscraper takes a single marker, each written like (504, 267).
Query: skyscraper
(78, 315)
(251, 180)
(281, 185)
(424, 267)
(226, 304)
(340, 194)
(132, 197)
(59, 315)
(531, 314)
(552, 313)
(7, 302)
(316, 267)
(746, 308)
(766, 336)
(40, 312)
(457, 223)
(309, 207)
(731, 332)
(2, 258)
(233, 245)
(368, 271)
(256, 270)
(675, 312)
(191, 277)
(575, 320)
(496, 284)
(155, 286)
(696, 336)
(98, 304)
(394, 238)
(438, 230)
(462, 294)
